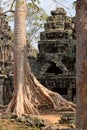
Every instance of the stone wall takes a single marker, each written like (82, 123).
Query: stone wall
(57, 54)
(6, 54)
(54, 66)
(6, 59)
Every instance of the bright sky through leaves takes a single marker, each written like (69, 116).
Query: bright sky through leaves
(49, 5)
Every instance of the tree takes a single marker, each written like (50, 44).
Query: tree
(36, 18)
(29, 95)
(81, 65)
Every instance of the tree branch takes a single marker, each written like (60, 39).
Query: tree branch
(61, 4)
(36, 7)
(12, 11)
(12, 4)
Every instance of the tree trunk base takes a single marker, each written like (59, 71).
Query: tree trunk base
(38, 99)
(31, 97)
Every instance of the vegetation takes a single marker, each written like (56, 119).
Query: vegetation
(35, 22)
(29, 94)
(13, 125)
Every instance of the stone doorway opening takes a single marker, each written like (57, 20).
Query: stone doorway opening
(54, 69)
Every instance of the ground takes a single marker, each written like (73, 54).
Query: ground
(6, 124)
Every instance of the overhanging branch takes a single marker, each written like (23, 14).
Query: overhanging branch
(12, 4)
(12, 11)
(35, 6)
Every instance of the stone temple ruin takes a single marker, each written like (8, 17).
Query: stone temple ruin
(57, 54)
(55, 63)
(6, 59)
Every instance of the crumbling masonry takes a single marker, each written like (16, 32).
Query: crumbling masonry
(57, 54)
(55, 63)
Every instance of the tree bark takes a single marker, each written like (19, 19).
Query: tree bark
(81, 65)
(29, 95)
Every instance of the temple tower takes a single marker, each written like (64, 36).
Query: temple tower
(56, 58)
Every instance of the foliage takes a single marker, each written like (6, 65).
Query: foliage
(38, 1)
(35, 52)
(35, 22)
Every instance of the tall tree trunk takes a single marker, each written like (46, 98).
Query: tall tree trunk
(29, 95)
(81, 64)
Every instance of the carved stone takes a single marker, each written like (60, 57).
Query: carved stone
(55, 64)
(57, 54)
(6, 60)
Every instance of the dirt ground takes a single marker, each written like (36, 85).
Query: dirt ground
(53, 118)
